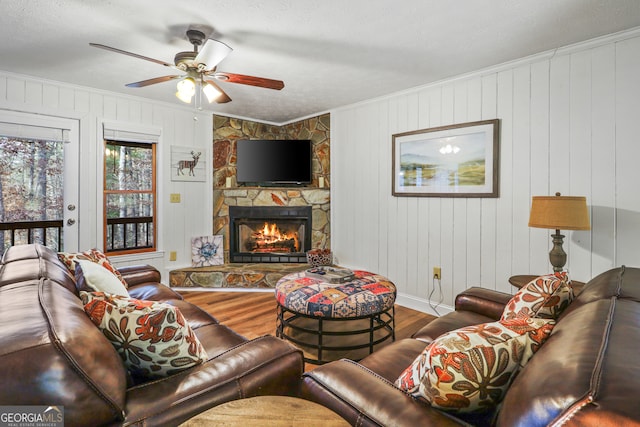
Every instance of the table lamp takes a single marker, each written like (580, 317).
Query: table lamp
(559, 212)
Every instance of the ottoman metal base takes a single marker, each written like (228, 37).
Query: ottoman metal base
(320, 336)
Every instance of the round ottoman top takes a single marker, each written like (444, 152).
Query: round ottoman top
(367, 294)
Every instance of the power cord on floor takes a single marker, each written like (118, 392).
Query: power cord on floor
(433, 289)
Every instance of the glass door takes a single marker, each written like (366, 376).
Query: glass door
(39, 159)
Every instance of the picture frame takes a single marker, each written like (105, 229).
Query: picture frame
(207, 251)
(460, 160)
(188, 163)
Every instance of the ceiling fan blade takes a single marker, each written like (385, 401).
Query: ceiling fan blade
(135, 55)
(153, 81)
(211, 53)
(249, 80)
(223, 98)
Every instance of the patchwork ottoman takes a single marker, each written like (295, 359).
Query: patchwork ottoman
(329, 321)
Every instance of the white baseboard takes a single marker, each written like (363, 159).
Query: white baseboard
(421, 304)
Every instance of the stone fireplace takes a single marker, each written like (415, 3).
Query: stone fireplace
(315, 200)
(269, 233)
(227, 195)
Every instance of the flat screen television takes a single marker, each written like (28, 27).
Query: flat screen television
(273, 162)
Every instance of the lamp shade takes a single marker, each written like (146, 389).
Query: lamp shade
(186, 90)
(559, 212)
(210, 91)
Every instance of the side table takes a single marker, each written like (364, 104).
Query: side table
(522, 279)
(271, 411)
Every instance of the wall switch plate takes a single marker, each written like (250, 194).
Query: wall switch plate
(173, 255)
(437, 273)
(174, 198)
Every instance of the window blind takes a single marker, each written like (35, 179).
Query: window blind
(127, 133)
(24, 131)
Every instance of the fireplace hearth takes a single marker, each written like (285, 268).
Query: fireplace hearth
(269, 234)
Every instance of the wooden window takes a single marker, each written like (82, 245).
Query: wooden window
(129, 197)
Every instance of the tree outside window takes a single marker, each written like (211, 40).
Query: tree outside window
(129, 197)
(31, 192)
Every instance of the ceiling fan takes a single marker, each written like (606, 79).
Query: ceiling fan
(198, 67)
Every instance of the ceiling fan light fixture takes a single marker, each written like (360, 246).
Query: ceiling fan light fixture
(194, 66)
(186, 90)
(211, 92)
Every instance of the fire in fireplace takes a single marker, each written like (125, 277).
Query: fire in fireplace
(269, 238)
(269, 233)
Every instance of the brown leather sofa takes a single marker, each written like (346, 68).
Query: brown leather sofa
(52, 354)
(586, 374)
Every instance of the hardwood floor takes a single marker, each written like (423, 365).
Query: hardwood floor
(253, 314)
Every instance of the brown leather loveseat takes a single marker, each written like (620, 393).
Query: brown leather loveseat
(586, 373)
(52, 354)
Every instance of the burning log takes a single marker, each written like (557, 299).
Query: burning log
(271, 239)
(288, 245)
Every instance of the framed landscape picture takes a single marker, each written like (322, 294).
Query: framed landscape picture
(458, 160)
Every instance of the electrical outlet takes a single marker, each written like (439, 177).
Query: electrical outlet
(437, 273)
(174, 198)
(173, 255)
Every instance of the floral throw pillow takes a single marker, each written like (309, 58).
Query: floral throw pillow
(69, 259)
(469, 370)
(545, 296)
(410, 378)
(152, 338)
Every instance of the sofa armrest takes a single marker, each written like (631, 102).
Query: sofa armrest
(138, 274)
(263, 366)
(487, 302)
(365, 399)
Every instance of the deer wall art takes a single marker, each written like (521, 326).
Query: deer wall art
(189, 164)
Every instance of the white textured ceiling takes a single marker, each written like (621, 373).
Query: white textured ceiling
(329, 53)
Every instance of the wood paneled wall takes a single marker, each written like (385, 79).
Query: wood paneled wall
(178, 125)
(570, 122)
